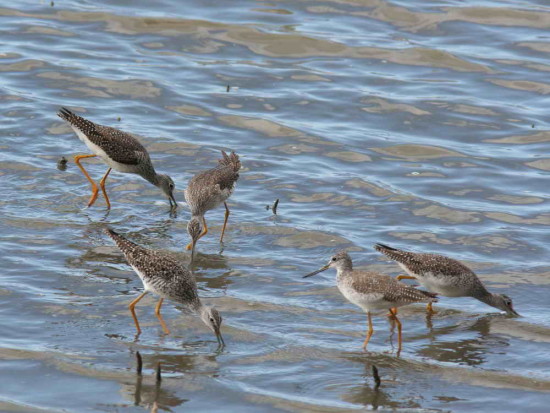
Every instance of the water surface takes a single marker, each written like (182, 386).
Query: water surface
(423, 126)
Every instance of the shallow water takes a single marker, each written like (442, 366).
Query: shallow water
(423, 126)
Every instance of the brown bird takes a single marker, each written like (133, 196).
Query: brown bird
(208, 189)
(165, 277)
(118, 149)
(444, 276)
(373, 291)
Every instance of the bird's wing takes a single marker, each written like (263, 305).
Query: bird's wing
(388, 288)
(118, 145)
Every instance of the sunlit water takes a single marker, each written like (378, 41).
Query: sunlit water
(424, 126)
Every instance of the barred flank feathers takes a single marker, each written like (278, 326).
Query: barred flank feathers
(392, 253)
(121, 242)
(231, 160)
(78, 122)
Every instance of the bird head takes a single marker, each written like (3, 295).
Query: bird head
(167, 186)
(194, 229)
(340, 260)
(213, 319)
(503, 302)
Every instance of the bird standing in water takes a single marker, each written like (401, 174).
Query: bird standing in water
(165, 277)
(444, 276)
(118, 149)
(208, 189)
(373, 291)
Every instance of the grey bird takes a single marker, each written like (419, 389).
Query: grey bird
(165, 277)
(208, 189)
(194, 230)
(118, 149)
(373, 291)
(445, 276)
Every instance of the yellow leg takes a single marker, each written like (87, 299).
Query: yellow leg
(430, 310)
(94, 186)
(399, 338)
(405, 277)
(132, 306)
(224, 221)
(204, 232)
(157, 312)
(102, 186)
(369, 332)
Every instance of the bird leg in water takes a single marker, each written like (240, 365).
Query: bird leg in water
(225, 220)
(159, 316)
(132, 306)
(77, 159)
(430, 310)
(399, 338)
(102, 185)
(369, 332)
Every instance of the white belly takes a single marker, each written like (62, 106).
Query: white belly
(120, 167)
(368, 302)
(439, 284)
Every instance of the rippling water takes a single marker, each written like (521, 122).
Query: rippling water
(420, 124)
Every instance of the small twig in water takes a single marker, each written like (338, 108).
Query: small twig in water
(228, 88)
(62, 164)
(158, 377)
(376, 376)
(139, 365)
(274, 207)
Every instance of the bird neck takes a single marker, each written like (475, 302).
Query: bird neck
(196, 306)
(487, 298)
(152, 177)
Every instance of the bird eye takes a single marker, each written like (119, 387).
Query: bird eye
(171, 186)
(333, 258)
(211, 319)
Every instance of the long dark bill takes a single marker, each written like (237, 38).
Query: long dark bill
(172, 200)
(316, 272)
(220, 338)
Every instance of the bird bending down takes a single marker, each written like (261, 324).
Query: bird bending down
(444, 276)
(208, 189)
(373, 291)
(194, 230)
(118, 149)
(165, 277)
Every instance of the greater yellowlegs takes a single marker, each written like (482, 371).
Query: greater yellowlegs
(208, 189)
(445, 276)
(165, 277)
(373, 291)
(118, 149)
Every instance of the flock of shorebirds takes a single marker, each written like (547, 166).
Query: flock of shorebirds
(167, 278)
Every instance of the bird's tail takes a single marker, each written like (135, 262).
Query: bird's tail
(76, 121)
(231, 160)
(428, 294)
(125, 246)
(393, 253)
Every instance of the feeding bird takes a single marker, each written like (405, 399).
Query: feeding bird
(118, 149)
(208, 189)
(373, 291)
(444, 276)
(165, 277)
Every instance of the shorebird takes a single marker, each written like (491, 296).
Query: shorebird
(165, 277)
(208, 189)
(118, 149)
(373, 291)
(445, 276)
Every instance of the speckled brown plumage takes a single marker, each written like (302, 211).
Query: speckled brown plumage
(373, 291)
(118, 145)
(208, 189)
(445, 276)
(160, 273)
